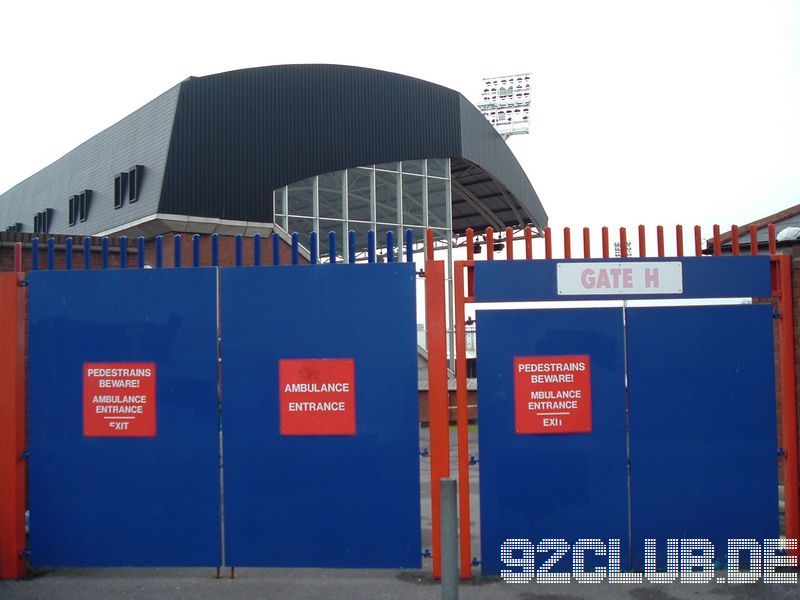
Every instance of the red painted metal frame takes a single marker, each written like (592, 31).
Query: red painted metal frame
(438, 400)
(12, 424)
(782, 291)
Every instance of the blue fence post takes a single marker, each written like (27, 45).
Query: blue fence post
(68, 251)
(87, 253)
(104, 249)
(35, 254)
(390, 246)
(257, 250)
(351, 246)
(239, 250)
(409, 245)
(215, 249)
(177, 257)
(51, 254)
(123, 252)
(295, 248)
(314, 247)
(332, 247)
(140, 251)
(196, 250)
(276, 248)
(159, 251)
(371, 245)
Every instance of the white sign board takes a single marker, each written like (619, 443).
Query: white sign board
(622, 278)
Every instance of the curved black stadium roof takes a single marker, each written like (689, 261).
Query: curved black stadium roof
(215, 147)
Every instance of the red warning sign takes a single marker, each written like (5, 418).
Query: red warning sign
(552, 394)
(318, 396)
(119, 399)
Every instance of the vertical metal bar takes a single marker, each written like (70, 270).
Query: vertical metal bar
(773, 247)
(735, 240)
(509, 243)
(332, 247)
(104, 252)
(371, 244)
(449, 541)
(51, 254)
(159, 251)
(409, 245)
(390, 246)
(753, 240)
(18, 257)
(87, 253)
(351, 246)
(429, 244)
(679, 240)
(587, 243)
(12, 425)
(257, 250)
(717, 242)
(623, 242)
(462, 419)
(35, 254)
(276, 248)
(470, 233)
(660, 240)
(196, 250)
(548, 243)
(528, 242)
(313, 244)
(642, 242)
(604, 233)
(123, 252)
(295, 248)
(698, 242)
(68, 253)
(214, 249)
(788, 386)
(140, 251)
(567, 243)
(177, 251)
(438, 410)
(239, 243)
(490, 243)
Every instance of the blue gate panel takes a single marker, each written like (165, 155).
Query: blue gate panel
(321, 500)
(703, 425)
(569, 486)
(124, 501)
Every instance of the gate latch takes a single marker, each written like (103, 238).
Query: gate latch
(424, 453)
(782, 452)
(24, 455)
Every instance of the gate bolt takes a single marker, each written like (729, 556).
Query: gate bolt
(473, 461)
(426, 553)
(424, 453)
(24, 455)
(475, 561)
(782, 452)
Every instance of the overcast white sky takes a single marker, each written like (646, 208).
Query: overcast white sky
(651, 112)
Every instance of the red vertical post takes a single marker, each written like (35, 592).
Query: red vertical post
(773, 246)
(12, 425)
(489, 243)
(438, 409)
(698, 243)
(567, 243)
(548, 243)
(788, 396)
(623, 242)
(528, 242)
(717, 242)
(470, 257)
(753, 240)
(462, 420)
(509, 243)
(679, 239)
(642, 242)
(660, 240)
(604, 232)
(735, 240)
(429, 244)
(587, 243)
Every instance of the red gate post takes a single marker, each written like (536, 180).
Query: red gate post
(438, 409)
(12, 425)
(788, 384)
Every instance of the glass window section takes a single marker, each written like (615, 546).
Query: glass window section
(359, 189)
(413, 189)
(414, 166)
(361, 230)
(303, 227)
(301, 198)
(325, 227)
(380, 238)
(279, 198)
(330, 196)
(390, 166)
(437, 202)
(386, 197)
(439, 167)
